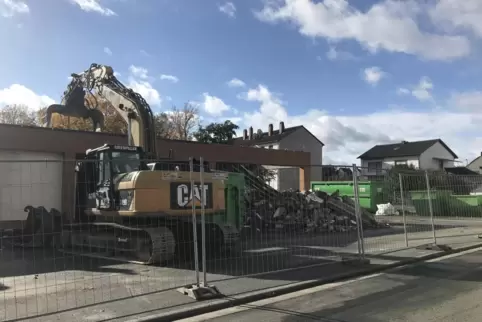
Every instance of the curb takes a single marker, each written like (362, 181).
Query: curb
(227, 302)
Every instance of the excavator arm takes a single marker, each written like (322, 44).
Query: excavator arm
(131, 106)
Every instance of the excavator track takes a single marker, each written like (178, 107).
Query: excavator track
(162, 246)
(148, 246)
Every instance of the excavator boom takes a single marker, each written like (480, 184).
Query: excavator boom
(131, 106)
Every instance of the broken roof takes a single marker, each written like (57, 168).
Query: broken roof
(402, 149)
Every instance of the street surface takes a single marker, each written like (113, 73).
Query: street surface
(43, 281)
(446, 289)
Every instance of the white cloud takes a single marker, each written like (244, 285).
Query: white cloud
(270, 105)
(468, 101)
(19, 94)
(228, 8)
(334, 54)
(373, 75)
(144, 53)
(9, 8)
(145, 89)
(138, 72)
(422, 91)
(213, 105)
(94, 6)
(170, 78)
(108, 51)
(346, 137)
(139, 81)
(236, 82)
(389, 25)
(452, 14)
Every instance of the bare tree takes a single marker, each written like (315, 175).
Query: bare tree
(18, 114)
(184, 121)
(164, 128)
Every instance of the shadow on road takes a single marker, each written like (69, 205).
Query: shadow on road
(259, 253)
(19, 262)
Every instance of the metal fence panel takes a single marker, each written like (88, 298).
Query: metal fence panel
(379, 201)
(450, 203)
(419, 228)
(46, 267)
(231, 221)
(280, 227)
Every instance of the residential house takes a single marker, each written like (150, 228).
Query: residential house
(423, 155)
(296, 138)
(476, 164)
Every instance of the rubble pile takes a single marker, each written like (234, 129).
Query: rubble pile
(309, 211)
(268, 208)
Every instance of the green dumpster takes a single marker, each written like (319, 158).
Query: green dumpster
(445, 204)
(370, 193)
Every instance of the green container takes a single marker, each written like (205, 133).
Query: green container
(234, 211)
(422, 194)
(370, 193)
(470, 200)
(444, 204)
(234, 197)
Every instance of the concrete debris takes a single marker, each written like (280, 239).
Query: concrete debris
(303, 211)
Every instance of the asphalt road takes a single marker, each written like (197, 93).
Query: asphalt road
(440, 290)
(42, 281)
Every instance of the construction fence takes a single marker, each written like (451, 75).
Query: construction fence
(225, 228)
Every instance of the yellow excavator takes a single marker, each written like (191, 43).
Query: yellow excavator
(131, 205)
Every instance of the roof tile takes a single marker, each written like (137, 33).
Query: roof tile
(402, 149)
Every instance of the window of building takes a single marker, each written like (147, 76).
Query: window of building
(374, 166)
(401, 162)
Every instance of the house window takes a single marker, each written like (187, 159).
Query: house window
(401, 162)
(374, 166)
(271, 146)
(441, 164)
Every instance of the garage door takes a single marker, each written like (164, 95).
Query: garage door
(29, 178)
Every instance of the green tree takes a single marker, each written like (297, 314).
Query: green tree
(217, 133)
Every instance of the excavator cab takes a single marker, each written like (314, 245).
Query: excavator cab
(103, 168)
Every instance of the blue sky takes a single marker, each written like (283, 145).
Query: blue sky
(355, 75)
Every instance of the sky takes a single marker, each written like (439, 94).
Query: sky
(354, 73)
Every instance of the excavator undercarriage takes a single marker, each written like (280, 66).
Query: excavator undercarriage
(165, 243)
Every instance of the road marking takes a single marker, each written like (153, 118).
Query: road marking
(262, 250)
(454, 255)
(284, 297)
